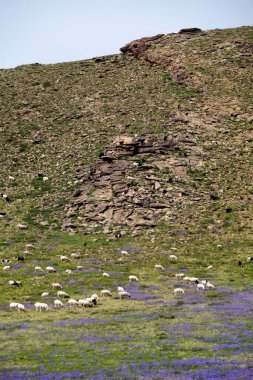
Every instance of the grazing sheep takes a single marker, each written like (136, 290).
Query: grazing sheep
(209, 285)
(56, 285)
(38, 269)
(22, 226)
(85, 303)
(105, 293)
(106, 274)
(79, 267)
(6, 261)
(11, 178)
(120, 289)
(209, 267)
(186, 279)
(249, 258)
(21, 258)
(64, 258)
(75, 256)
(44, 179)
(58, 304)
(159, 266)
(45, 294)
(124, 294)
(173, 258)
(133, 278)
(178, 291)
(193, 279)
(72, 302)
(20, 307)
(6, 198)
(13, 305)
(6, 267)
(124, 252)
(240, 264)
(15, 283)
(68, 271)
(29, 245)
(60, 293)
(40, 306)
(94, 298)
(50, 269)
(200, 287)
(219, 246)
(179, 275)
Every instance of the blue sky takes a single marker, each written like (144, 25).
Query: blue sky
(50, 31)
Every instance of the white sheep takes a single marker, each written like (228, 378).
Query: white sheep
(79, 267)
(60, 293)
(106, 275)
(40, 306)
(58, 304)
(72, 302)
(29, 245)
(179, 275)
(120, 289)
(45, 179)
(11, 178)
(173, 258)
(56, 285)
(186, 279)
(193, 279)
(20, 307)
(50, 269)
(124, 252)
(105, 293)
(13, 305)
(68, 271)
(249, 258)
(124, 294)
(209, 267)
(219, 246)
(38, 269)
(200, 287)
(45, 294)
(64, 258)
(22, 226)
(85, 303)
(159, 266)
(209, 285)
(6, 267)
(75, 256)
(178, 291)
(133, 278)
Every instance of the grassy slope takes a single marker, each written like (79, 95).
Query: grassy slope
(73, 109)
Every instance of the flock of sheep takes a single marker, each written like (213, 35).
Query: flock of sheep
(93, 299)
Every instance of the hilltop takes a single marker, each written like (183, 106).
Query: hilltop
(190, 88)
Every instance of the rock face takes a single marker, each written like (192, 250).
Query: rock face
(135, 182)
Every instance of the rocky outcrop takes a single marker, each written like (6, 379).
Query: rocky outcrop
(136, 182)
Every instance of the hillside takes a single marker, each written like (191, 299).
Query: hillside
(125, 160)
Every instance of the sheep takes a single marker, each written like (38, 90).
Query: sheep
(6, 198)
(75, 256)
(72, 302)
(29, 245)
(133, 278)
(249, 258)
(68, 271)
(11, 178)
(200, 287)
(240, 264)
(20, 307)
(120, 289)
(94, 298)
(45, 294)
(60, 293)
(124, 252)
(173, 258)
(159, 266)
(56, 285)
(13, 305)
(79, 267)
(38, 269)
(209, 267)
(106, 275)
(50, 269)
(58, 304)
(209, 285)
(64, 258)
(193, 279)
(105, 293)
(178, 291)
(15, 283)
(22, 226)
(124, 294)
(6, 261)
(85, 303)
(179, 275)
(40, 306)
(6, 267)
(219, 246)
(186, 278)
(21, 258)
